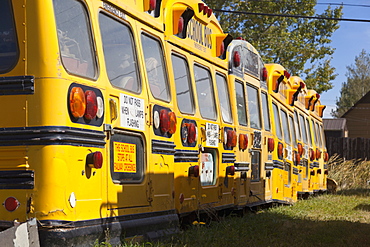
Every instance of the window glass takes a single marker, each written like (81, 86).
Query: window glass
(303, 128)
(8, 38)
(155, 68)
(265, 112)
(322, 136)
(284, 121)
(119, 54)
(223, 96)
(296, 126)
(256, 166)
(205, 93)
(277, 121)
(240, 103)
(184, 93)
(74, 36)
(293, 131)
(309, 130)
(314, 129)
(319, 136)
(254, 107)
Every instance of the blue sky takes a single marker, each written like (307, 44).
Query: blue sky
(348, 41)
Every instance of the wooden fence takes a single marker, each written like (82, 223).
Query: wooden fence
(349, 148)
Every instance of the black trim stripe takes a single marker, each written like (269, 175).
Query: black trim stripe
(187, 156)
(19, 179)
(16, 85)
(228, 157)
(163, 147)
(278, 164)
(51, 135)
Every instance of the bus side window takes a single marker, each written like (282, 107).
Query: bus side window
(155, 68)
(223, 96)
(184, 92)
(240, 103)
(205, 92)
(254, 107)
(265, 112)
(277, 121)
(119, 54)
(8, 39)
(74, 36)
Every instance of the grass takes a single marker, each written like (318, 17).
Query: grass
(341, 219)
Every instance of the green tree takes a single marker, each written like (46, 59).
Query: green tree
(357, 85)
(301, 45)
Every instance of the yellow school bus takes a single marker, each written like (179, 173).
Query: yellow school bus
(320, 152)
(88, 144)
(206, 137)
(304, 135)
(247, 76)
(285, 173)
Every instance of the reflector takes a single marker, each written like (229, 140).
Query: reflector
(11, 204)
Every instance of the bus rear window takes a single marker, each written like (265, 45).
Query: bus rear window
(8, 39)
(74, 35)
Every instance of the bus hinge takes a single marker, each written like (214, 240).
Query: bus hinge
(110, 131)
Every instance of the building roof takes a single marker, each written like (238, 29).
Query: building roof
(335, 124)
(364, 100)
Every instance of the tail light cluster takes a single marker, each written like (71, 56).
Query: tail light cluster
(164, 120)
(243, 141)
(318, 153)
(189, 133)
(85, 104)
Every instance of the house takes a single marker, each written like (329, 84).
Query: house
(335, 127)
(358, 118)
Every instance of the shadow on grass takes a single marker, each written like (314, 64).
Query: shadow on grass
(354, 192)
(275, 229)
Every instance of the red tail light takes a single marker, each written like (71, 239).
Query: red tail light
(95, 160)
(326, 157)
(77, 102)
(317, 96)
(222, 48)
(312, 154)
(152, 4)
(270, 145)
(300, 149)
(192, 133)
(11, 204)
(194, 171)
(236, 59)
(200, 7)
(209, 13)
(280, 150)
(164, 121)
(243, 141)
(231, 138)
(91, 105)
(286, 74)
(302, 85)
(205, 9)
(297, 158)
(230, 170)
(173, 123)
(264, 74)
(180, 25)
